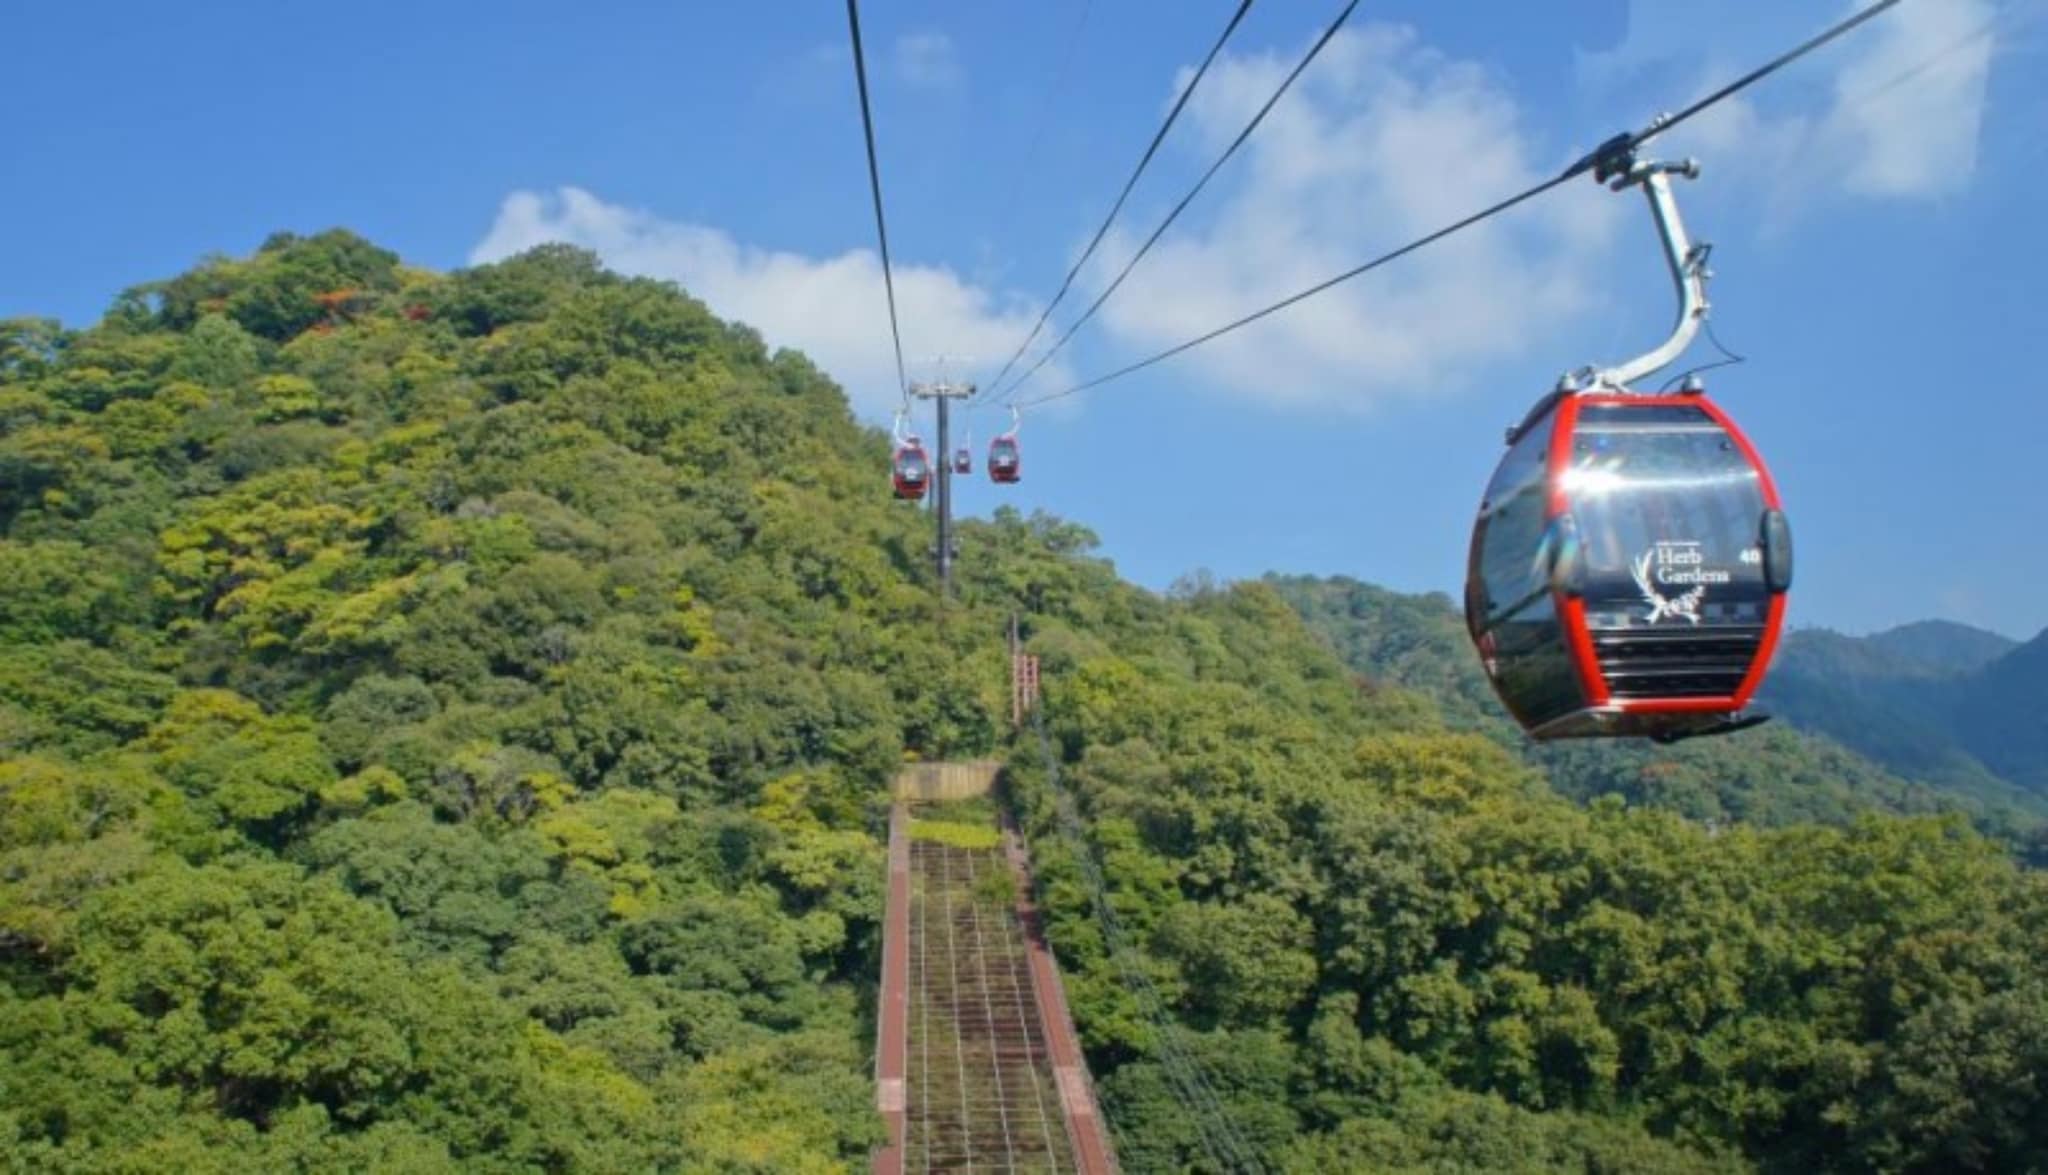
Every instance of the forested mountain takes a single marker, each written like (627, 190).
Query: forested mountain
(1952, 705)
(443, 716)
(1799, 769)
(444, 721)
(1401, 951)
(2001, 714)
(1941, 646)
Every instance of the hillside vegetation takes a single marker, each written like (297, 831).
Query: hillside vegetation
(1853, 734)
(443, 716)
(444, 723)
(1400, 950)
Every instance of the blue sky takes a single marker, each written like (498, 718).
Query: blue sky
(1875, 213)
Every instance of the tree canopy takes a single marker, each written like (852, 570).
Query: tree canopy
(444, 724)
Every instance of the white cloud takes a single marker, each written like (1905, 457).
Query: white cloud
(819, 76)
(1384, 139)
(1380, 141)
(831, 308)
(927, 59)
(1908, 109)
(1893, 111)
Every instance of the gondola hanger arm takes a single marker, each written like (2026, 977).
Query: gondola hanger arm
(1619, 168)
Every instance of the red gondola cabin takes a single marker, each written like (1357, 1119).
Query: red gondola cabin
(1629, 568)
(910, 471)
(1005, 464)
(963, 460)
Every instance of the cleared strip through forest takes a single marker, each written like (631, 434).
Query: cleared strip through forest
(977, 1064)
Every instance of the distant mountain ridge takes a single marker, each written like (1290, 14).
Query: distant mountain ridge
(1927, 715)
(1953, 705)
(1942, 646)
(2002, 714)
(1921, 650)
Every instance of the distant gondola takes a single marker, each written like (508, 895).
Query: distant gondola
(910, 471)
(1005, 462)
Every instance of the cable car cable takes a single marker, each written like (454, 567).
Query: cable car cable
(867, 124)
(1242, 136)
(1144, 161)
(1612, 149)
(2013, 16)
(1312, 291)
(2004, 15)
(1184, 1072)
(1664, 123)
